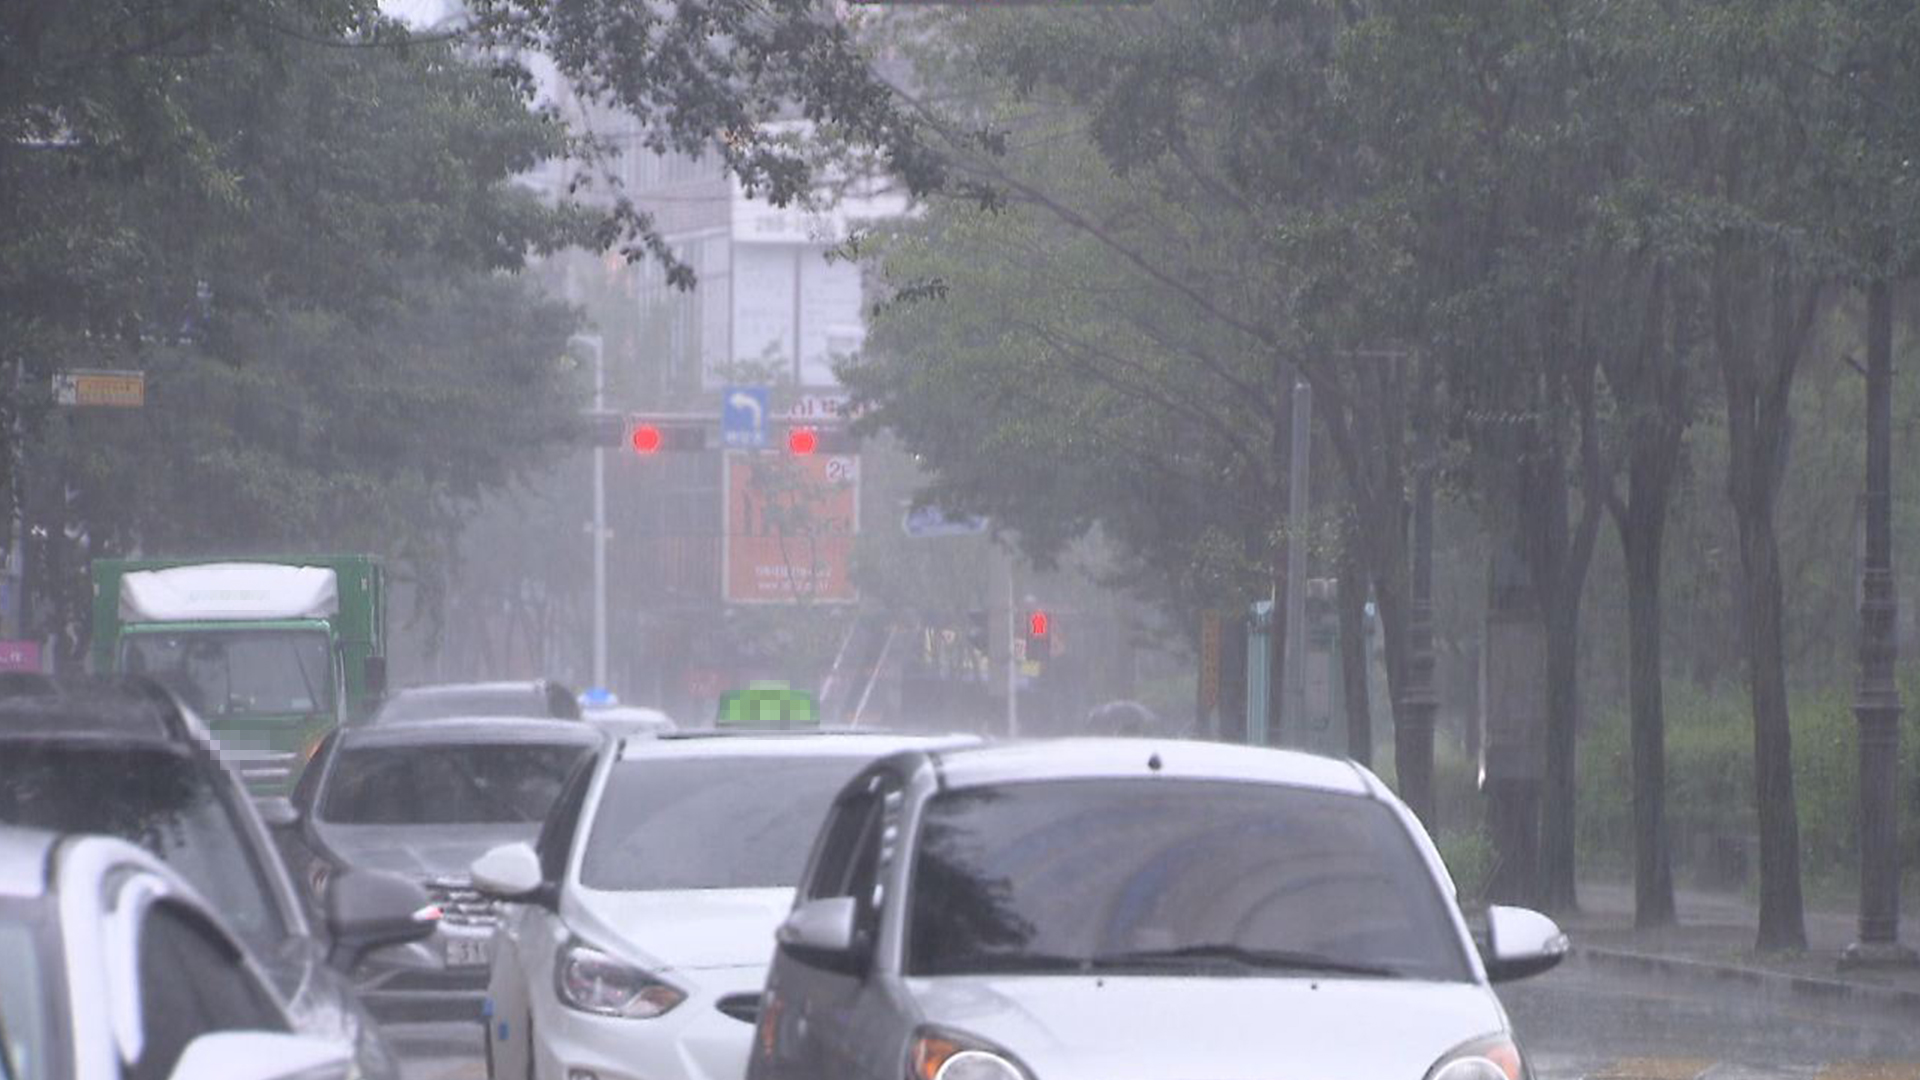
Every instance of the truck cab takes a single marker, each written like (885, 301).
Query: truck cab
(272, 654)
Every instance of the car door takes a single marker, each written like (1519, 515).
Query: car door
(528, 934)
(830, 1018)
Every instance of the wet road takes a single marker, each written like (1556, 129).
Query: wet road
(1581, 1022)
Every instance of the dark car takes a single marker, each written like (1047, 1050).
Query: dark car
(424, 799)
(127, 759)
(531, 698)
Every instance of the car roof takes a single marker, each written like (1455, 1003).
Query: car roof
(472, 729)
(1098, 758)
(130, 708)
(504, 688)
(24, 854)
(806, 742)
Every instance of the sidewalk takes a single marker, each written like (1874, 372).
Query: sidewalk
(1714, 940)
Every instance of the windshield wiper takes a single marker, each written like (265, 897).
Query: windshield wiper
(1263, 959)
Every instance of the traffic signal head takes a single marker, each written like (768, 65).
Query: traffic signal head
(802, 441)
(646, 438)
(1038, 642)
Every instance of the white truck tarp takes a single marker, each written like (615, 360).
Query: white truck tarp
(229, 590)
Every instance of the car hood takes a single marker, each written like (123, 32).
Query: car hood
(684, 929)
(1223, 1028)
(418, 851)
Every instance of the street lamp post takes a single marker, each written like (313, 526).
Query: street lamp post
(1876, 702)
(599, 525)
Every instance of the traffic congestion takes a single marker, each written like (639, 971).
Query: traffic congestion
(959, 539)
(720, 902)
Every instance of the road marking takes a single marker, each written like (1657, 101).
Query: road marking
(1870, 1070)
(1655, 1069)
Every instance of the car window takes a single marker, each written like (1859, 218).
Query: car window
(1013, 876)
(158, 797)
(711, 823)
(308, 789)
(447, 783)
(25, 1045)
(192, 982)
(555, 842)
(848, 826)
(250, 672)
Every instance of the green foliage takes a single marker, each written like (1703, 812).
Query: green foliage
(1710, 781)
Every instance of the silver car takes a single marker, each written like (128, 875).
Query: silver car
(1135, 909)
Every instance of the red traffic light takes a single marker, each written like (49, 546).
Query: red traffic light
(802, 441)
(646, 439)
(1036, 624)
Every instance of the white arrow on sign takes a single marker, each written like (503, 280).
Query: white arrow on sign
(747, 402)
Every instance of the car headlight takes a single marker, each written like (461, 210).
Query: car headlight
(1495, 1057)
(946, 1055)
(591, 981)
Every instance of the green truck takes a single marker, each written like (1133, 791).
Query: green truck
(273, 653)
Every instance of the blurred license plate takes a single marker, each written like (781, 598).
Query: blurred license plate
(469, 952)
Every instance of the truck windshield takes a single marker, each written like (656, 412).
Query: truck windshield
(234, 672)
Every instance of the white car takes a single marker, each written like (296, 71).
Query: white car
(648, 904)
(1135, 909)
(112, 968)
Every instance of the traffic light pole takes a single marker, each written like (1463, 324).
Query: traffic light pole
(1013, 662)
(599, 523)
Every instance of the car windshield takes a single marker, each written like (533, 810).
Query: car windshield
(447, 783)
(1144, 873)
(159, 798)
(734, 822)
(24, 1000)
(437, 704)
(232, 672)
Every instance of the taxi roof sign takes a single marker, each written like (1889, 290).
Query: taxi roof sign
(768, 705)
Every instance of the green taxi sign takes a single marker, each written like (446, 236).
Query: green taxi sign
(768, 706)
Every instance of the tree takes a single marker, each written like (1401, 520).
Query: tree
(308, 264)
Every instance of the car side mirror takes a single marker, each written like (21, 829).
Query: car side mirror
(1520, 943)
(512, 872)
(262, 1055)
(823, 933)
(277, 812)
(371, 909)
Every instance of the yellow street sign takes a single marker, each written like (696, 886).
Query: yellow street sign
(110, 389)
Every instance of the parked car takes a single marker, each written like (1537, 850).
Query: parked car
(423, 799)
(461, 701)
(650, 898)
(125, 758)
(113, 968)
(1134, 909)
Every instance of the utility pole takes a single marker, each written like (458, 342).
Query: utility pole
(1293, 664)
(1013, 659)
(1876, 703)
(599, 518)
(1418, 701)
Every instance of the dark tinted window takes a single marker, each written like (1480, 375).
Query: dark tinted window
(555, 841)
(164, 800)
(32, 704)
(446, 783)
(1039, 876)
(192, 982)
(711, 823)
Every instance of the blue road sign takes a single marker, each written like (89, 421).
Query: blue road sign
(743, 417)
(927, 522)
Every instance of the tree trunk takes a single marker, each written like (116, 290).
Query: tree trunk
(1758, 372)
(1557, 825)
(1782, 922)
(1642, 526)
(1352, 600)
